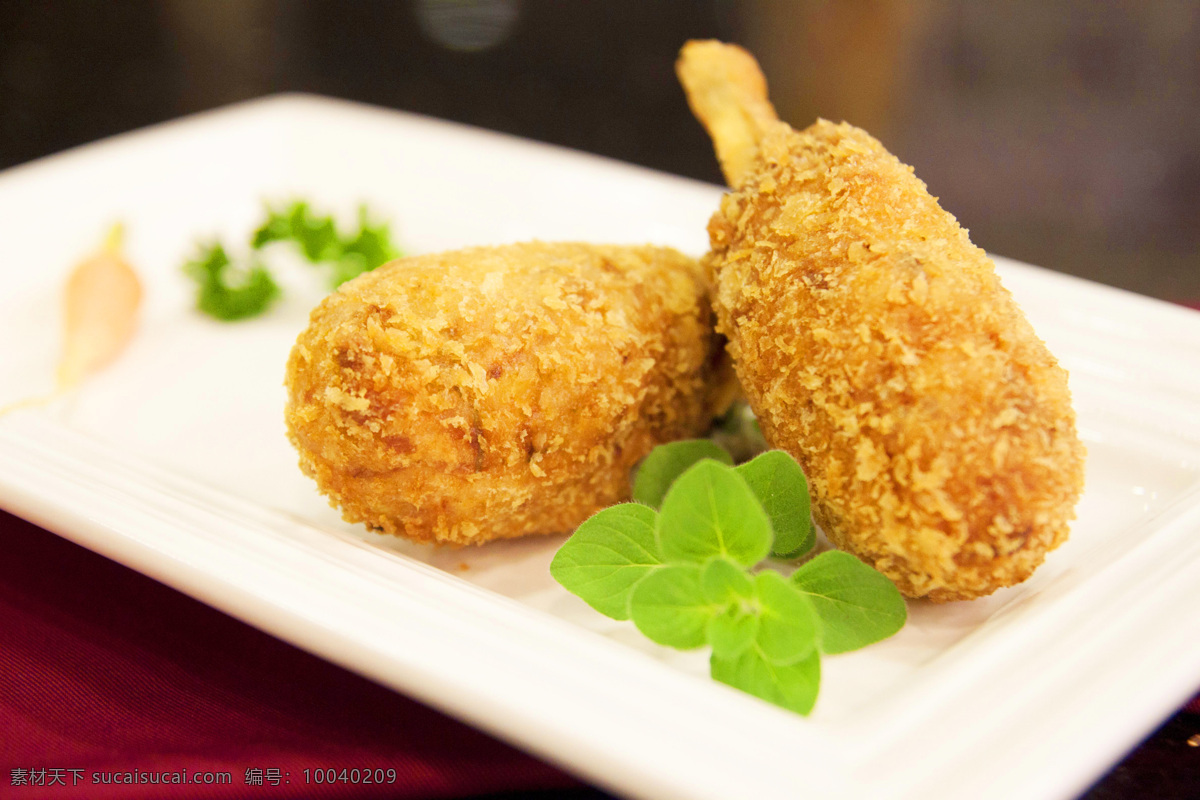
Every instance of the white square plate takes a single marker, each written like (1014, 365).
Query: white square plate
(174, 462)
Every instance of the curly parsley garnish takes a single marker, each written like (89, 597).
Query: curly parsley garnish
(229, 292)
(320, 243)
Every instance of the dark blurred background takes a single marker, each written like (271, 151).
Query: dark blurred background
(1066, 134)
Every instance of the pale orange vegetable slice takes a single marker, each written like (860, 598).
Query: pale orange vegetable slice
(100, 311)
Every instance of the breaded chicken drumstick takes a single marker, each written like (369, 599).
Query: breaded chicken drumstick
(497, 392)
(876, 345)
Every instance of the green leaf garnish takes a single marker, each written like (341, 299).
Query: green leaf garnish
(232, 293)
(667, 462)
(724, 582)
(779, 484)
(710, 511)
(319, 241)
(225, 292)
(793, 686)
(669, 607)
(609, 553)
(682, 574)
(731, 632)
(790, 628)
(727, 585)
(316, 236)
(857, 605)
(370, 247)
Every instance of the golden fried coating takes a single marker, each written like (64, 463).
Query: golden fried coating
(877, 346)
(497, 392)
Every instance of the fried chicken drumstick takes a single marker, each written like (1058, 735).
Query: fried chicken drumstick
(876, 345)
(497, 392)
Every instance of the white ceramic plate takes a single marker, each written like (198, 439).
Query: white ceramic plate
(174, 462)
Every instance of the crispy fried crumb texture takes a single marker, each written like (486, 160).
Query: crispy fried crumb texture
(497, 392)
(876, 344)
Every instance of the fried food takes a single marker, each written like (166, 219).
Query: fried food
(496, 392)
(877, 346)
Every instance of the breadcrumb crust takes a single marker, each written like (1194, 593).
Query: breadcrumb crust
(497, 392)
(876, 345)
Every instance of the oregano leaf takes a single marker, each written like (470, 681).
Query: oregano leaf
(732, 631)
(780, 486)
(857, 605)
(709, 512)
(792, 686)
(725, 582)
(607, 555)
(789, 628)
(668, 606)
(667, 462)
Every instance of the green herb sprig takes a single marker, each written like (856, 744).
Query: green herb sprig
(684, 562)
(230, 292)
(319, 242)
(226, 292)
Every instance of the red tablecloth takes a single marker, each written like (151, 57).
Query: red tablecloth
(107, 675)
(104, 672)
